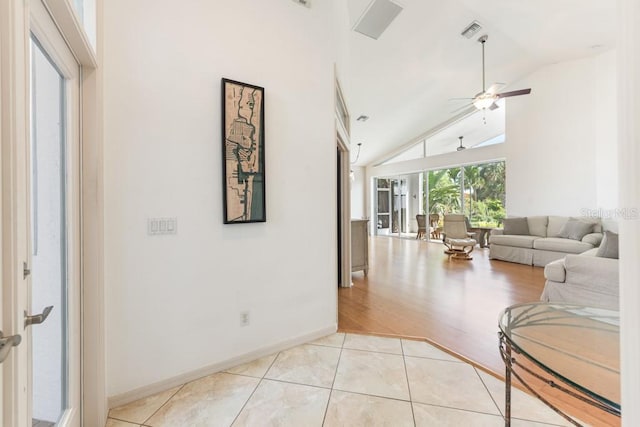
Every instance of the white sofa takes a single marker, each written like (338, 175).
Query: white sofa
(542, 245)
(583, 279)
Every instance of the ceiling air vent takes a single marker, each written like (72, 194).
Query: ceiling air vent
(305, 3)
(471, 29)
(377, 17)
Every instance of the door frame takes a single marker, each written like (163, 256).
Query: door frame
(343, 172)
(51, 43)
(14, 125)
(14, 122)
(344, 213)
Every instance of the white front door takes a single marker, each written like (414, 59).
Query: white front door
(43, 301)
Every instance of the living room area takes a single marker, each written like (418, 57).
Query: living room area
(559, 149)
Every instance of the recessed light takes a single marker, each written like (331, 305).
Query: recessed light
(362, 118)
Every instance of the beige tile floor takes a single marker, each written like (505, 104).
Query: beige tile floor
(340, 380)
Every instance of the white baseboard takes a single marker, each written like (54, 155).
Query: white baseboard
(151, 389)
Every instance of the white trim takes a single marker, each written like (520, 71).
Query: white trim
(343, 143)
(14, 125)
(151, 389)
(70, 26)
(345, 212)
(629, 179)
(485, 154)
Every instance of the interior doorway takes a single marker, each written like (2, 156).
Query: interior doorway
(397, 201)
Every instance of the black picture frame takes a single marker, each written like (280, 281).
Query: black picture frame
(243, 162)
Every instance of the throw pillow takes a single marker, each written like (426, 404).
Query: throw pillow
(516, 226)
(609, 246)
(575, 230)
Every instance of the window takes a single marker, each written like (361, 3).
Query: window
(341, 110)
(86, 11)
(476, 190)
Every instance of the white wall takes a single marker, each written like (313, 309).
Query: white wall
(606, 130)
(561, 149)
(173, 302)
(358, 189)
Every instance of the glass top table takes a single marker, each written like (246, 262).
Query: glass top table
(576, 345)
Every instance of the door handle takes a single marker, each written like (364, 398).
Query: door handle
(26, 271)
(7, 343)
(36, 319)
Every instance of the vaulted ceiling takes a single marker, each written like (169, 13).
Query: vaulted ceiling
(403, 81)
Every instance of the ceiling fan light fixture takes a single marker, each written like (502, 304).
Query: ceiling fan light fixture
(481, 102)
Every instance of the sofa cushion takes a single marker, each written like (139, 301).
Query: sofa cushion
(609, 246)
(593, 239)
(555, 225)
(596, 221)
(514, 240)
(538, 225)
(558, 244)
(555, 271)
(516, 226)
(575, 229)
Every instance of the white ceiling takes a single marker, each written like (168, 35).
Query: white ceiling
(404, 80)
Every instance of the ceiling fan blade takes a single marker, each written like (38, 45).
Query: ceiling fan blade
(514, 93)
(457, 110)
(494, 106)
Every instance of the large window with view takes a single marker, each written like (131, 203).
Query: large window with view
(477, 190)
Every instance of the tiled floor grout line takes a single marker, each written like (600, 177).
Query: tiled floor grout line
(454, 408)
(335, 374)
(487, 389)
(406, 375)
(295, 383)
(373, 395)
(160, 407)
(118, 419)
(254, 390)
(373, 351)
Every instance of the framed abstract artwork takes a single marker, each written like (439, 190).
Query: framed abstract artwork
(243, 152)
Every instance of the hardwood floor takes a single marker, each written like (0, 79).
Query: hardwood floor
(414, 290)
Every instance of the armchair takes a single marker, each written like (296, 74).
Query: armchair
(456, 238)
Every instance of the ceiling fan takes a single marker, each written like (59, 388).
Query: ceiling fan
(488, 97)
(461, 147)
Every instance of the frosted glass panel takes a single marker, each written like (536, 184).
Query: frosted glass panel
(48, 229)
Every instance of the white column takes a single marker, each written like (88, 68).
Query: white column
(629, 178)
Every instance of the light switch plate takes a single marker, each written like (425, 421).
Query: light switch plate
(159, 226)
